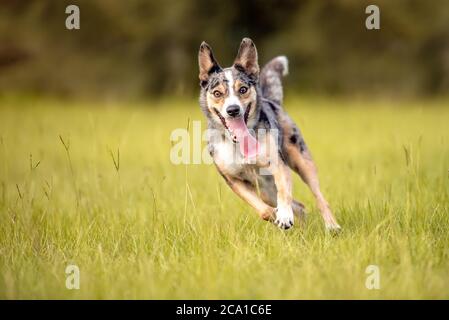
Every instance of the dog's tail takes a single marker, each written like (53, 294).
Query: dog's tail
(270, 79)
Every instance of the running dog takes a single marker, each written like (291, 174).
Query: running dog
(255, 142)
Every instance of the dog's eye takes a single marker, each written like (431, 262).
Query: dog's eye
(243, 90)
(217, 94)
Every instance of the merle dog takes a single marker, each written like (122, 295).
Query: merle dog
(257, 141)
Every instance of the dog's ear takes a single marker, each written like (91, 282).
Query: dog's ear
(207, 63)
(246, 59)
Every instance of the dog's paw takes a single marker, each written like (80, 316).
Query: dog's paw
(333, 229)
(284, 218)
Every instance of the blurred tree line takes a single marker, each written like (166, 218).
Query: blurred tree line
(140, 48)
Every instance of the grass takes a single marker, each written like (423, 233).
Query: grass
(92, 185)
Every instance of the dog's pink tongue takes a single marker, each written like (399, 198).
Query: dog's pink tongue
(248, 144)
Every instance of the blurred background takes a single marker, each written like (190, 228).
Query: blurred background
(87, 123)
(148, 48)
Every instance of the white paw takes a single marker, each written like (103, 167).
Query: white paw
(333, 228)
(284, 217)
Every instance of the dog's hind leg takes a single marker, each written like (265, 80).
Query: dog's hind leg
(300, 160)
(302, 163)
(299, 210)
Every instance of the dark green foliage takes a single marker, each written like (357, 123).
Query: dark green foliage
(142, 48)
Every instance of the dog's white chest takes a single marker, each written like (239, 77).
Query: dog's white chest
(228, 157)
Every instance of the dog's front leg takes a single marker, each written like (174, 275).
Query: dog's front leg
(248, 193)
(282, 179)
(272, 162)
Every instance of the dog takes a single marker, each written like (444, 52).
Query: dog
(258, 143)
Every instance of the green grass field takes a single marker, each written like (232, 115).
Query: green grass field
(145, 228)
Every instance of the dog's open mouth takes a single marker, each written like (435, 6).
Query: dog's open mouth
(249, 146)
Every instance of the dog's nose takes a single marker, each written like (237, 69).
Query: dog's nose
(233, 110)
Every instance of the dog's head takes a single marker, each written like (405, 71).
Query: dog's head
(230, 94)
